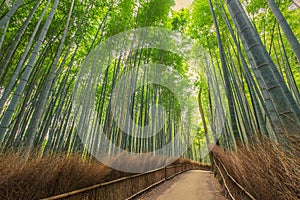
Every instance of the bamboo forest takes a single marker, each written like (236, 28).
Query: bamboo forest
(108, 99)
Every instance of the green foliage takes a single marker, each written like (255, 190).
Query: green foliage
(92, 22)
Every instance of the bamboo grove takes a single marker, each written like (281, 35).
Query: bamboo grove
(247, 85)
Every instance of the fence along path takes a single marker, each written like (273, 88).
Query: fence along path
(130, 187)
(234, 190)
(127, 187)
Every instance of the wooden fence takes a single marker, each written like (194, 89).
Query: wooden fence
(127, 187)
(234, 190)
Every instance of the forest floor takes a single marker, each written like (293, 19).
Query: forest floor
(195, 184)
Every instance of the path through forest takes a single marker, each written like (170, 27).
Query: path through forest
(195, 184)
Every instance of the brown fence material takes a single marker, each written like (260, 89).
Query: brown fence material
(127, 187)
(234, 189)
(172, 171)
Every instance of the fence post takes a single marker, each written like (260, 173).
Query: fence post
(165, 173)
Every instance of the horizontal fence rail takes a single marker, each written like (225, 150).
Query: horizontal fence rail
(234, 189)
(127, 187)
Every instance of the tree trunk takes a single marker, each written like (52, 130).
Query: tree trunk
(290, 36)
(26, 74)
(228, 88)
(10, 13)
(37, 115)
(283, 110)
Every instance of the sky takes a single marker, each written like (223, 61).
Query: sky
(182, 4)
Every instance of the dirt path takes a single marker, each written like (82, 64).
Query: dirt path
(191, 185)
